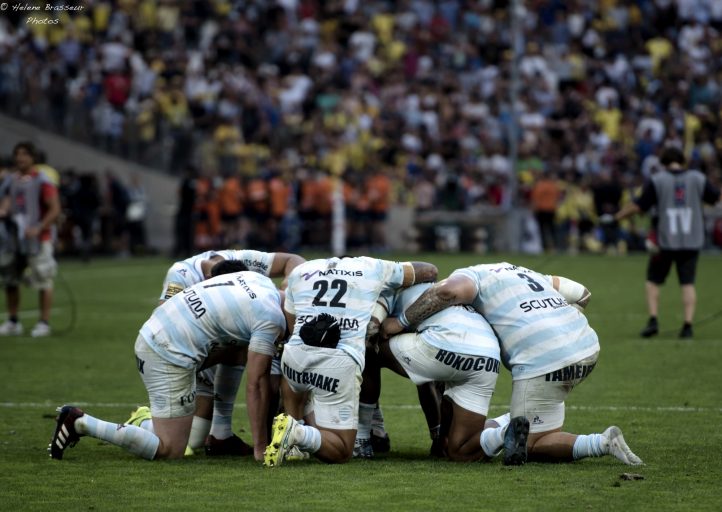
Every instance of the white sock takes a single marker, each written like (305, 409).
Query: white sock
(365, 413)
(147, 425)
(308, 438)
(591, 445)
(377, 422)
(492, 440)
(134, 439)
(200, 429)
(226, 384)
(502, 420)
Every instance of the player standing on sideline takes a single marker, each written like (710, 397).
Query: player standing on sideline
(548, 346)
(33, 207)
(242, 308)
(217, 385)
(457, 347)
(677, 193)
(329, 303)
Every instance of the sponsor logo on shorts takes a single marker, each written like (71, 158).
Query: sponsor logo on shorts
(140, 363)
(187, 399)
(573, 372)
(537, 421)
(312, 379)
(466, 363)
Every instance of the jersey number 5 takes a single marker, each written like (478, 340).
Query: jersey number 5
(322, 287)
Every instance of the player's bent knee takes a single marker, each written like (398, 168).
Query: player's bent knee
(169, 451)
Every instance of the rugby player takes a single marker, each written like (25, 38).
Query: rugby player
(217, 385)
(457, 347)
(546, 343)
(329, 303)
(242, 308)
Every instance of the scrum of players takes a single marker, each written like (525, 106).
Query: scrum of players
(312, 350)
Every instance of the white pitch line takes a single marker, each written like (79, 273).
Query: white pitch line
(622, 408)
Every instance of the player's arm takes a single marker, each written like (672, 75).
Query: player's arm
(456, 289)
(576, 294)
(258, 392)
(419, 272)
(283, 264)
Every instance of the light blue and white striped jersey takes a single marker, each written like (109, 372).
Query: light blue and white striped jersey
(537, 330)
(240, 308)
(459, 329)
(345, 288)
(185, 273)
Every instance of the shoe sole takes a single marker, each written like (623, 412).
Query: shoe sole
(275, 451)
(515, 442)
(62, 438)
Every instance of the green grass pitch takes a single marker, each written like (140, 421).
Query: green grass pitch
(664, 393)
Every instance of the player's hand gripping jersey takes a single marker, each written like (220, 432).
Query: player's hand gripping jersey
(244, 307)
(537, 329)
(458, 329)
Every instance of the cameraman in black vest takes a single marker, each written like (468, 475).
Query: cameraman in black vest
(678, 194)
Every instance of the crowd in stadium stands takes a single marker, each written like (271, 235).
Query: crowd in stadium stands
(408, 100)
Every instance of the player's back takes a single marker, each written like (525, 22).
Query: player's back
(243, 307)
(346, 288)
(459, 329)
(537, 329)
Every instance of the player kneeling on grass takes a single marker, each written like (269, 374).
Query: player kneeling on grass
(329, 303)
(458, 348)
(219, 378)
(547, 344)
(242, 308)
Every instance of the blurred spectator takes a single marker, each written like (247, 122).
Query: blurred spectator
(545, 199)
(237, 88)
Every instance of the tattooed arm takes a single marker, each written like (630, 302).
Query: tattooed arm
(453, 290)
(419, 272)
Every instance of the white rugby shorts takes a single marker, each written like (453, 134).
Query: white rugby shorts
(541, 399)
(332, 377)
(171, 389)
(469, 380)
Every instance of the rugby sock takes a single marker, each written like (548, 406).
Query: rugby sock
(492, 440)
(308, 438)
(501, 421)
(147, 425)
(365, 413)
(200, 428)
(592, 445)
(134, 439)
(377, 422)
(228, 379)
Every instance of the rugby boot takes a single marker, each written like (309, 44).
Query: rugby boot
(233, 445)
(65, 434)
(618, 447)
(515, 441)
